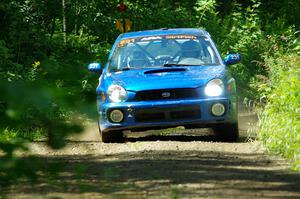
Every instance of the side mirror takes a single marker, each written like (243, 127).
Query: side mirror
(95, 67)
(232, 58)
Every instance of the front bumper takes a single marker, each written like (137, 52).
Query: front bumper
(163, 114)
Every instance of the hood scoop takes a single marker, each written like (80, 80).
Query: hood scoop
(165, 70)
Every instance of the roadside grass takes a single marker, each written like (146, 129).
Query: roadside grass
(38, 134)
(279, 125)
(9, 134)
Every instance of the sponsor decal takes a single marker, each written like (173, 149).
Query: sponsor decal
(181, 37)
(151, 38)
(125, 41)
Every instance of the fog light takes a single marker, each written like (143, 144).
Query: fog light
(116, 116)
(218, 109)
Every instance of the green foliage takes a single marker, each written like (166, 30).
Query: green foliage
(41, 82)
(8, 135)
(280, 118)
(243, 34)
(286, 12)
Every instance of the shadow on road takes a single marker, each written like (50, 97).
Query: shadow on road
(161, 174)
(181, 138)
(141, 168)
(178, 138)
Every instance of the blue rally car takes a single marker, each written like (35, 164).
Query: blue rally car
(166, 78)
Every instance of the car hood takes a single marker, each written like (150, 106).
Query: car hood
(165, 78)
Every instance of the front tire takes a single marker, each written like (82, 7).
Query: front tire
(227, 132)
(112, 137)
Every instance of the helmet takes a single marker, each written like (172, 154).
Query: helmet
(190, 49)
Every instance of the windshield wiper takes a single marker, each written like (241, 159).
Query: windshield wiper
(126, 68)
(121, 69)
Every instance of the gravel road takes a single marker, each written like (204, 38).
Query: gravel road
(163, 167)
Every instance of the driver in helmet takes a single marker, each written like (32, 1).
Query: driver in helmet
(190, 49)
(190, 53)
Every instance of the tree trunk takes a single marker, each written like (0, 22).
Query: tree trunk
(64, 21)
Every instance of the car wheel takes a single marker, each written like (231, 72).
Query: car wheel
(112, 137)
(227, 132)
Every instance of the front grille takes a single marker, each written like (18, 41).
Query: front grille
(166, 94)
(167, 114)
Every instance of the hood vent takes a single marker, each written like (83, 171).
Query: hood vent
(165, 70)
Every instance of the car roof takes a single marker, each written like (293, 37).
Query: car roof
(165, 31)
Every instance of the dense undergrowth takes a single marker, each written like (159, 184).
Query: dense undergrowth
(280, 117)
(45, 47)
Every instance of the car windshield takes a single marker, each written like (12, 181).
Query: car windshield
(159, 51)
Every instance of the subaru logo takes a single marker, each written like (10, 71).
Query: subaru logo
(166, 94)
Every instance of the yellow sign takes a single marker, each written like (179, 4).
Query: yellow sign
(120, 25)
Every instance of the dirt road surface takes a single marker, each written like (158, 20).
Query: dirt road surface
(163, 167)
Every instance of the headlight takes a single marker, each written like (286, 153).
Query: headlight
(214, 88)
(116, 93)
